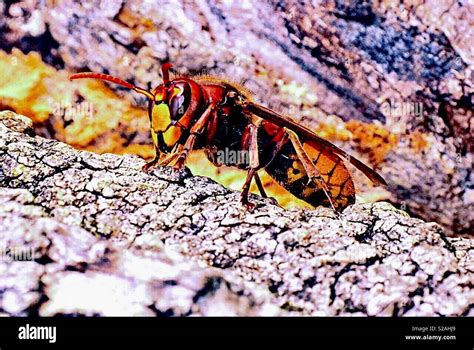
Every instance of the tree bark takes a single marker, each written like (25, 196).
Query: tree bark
(101, 230)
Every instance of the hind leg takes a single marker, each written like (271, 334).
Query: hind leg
(254, 165)
(311, 169)
(260, 186)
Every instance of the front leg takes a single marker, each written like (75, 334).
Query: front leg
(196, 130)
(171, 157)
(151, 164)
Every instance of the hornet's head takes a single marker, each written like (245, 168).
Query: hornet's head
(171, 106)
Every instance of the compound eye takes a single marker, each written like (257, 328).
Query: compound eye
(177, 106)
(179, 100)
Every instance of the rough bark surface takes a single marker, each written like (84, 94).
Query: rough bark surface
(318, 63)
(110, 239)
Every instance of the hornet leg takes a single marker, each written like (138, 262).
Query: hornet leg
(254, 164)
(196, 130)
(260, 186)
(154, 161)
(309, 167)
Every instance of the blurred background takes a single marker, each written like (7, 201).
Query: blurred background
(391, 83)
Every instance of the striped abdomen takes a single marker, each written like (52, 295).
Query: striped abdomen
(289, 172)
